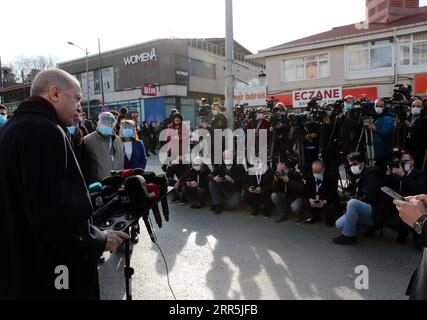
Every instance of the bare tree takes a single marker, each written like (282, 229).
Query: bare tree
(8, 76)
(28, 67)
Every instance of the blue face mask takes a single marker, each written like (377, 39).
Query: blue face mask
(348, 107)
(3, 119)
(318, 177)
(128, 133)
(72, 129)
(105, 130)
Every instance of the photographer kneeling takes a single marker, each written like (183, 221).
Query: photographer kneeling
(406, 180)
(361, 209)
(321, 195)
(287, 192)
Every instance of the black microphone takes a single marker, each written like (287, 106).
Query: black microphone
(162, 182)
(135, 187)
(115, 181)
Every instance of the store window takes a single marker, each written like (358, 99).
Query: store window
(413, 49)
(306, 68)
(370, 56)
(202, 69)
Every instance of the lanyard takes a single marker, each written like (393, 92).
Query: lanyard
(258, 179)
(318, 186)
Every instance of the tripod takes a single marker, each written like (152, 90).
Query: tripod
(369, 140)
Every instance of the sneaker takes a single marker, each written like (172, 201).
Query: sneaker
(299, 219)
(200, 205)
(194, 205)
(345, 241)
(219, 209)
(254, 213)
(281, 219)
(311, 221)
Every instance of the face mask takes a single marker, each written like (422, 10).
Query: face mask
(215, 112)
(318, 177)
(197, 168)
(260, 117)
(379, 110)
(127, 133)
(416, 111)
(407, 167)
(228, 162)
(348, 107)
(356, 170)
(3, 119)
(105, 130)
(72, 129)
(329, 113)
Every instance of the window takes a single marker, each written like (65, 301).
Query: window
(370, 56)
(202, 69)
(413, 49)
(306, 68)
(97, 81)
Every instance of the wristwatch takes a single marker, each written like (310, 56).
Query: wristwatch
(419, 224)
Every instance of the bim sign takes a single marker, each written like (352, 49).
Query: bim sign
(149, 90)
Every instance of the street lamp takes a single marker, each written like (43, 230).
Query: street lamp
(86, 52)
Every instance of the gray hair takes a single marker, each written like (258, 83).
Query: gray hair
(50, 77)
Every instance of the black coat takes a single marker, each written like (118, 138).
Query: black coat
(368, 191)
(328, 190)
(418, 286)
(266, 183)
(294, 188)
(237, 173)
(45, 210)
(192, 175)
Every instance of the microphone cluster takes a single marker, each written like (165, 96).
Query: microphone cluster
(120, 200)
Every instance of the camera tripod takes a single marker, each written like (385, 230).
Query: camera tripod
(369, 140)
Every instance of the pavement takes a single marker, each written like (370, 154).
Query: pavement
(237, 257)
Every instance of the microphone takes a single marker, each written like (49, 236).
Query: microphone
(162, 182)
(115, 181)
(135, 187)
(128, 173)
(153, 195)
(95, 187)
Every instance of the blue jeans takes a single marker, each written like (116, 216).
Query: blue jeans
(357, 213)
(221, 195)
(284, 204)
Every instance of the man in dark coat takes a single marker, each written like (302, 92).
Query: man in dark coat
(321, 195)
(196, 184)
(363, 208)
(45, 206)
(414, 214)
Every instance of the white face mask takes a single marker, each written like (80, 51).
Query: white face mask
(356, 170)
(416, 111)
(407, 167)
(215, 112)
(379, 110)
(260, 116)
(228, 162)
(197, 167)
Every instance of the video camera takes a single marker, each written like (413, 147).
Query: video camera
(402, 93)
(204, 109)
(271, 103)
(297, 120)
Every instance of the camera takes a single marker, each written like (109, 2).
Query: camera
(395, 163)
(279, 174)
(402, 93)
(297, 120)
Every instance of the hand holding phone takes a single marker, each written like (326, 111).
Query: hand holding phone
(393, 194)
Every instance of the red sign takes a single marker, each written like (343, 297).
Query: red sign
(421, 84)
(149, 90)
(371, 92)
(286, 99)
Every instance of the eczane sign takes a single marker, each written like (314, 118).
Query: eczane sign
(326, 95)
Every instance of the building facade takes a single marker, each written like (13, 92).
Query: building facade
(370, 58)
(160, 75)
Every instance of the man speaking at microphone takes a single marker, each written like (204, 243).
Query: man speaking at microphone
(49, 247)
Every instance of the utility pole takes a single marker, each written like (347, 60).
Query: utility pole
(100, 73)
(229, 63)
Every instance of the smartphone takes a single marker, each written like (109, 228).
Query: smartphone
(392, 193)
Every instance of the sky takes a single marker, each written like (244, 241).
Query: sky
(44, 27)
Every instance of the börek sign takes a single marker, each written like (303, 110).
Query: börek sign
(326, 95)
